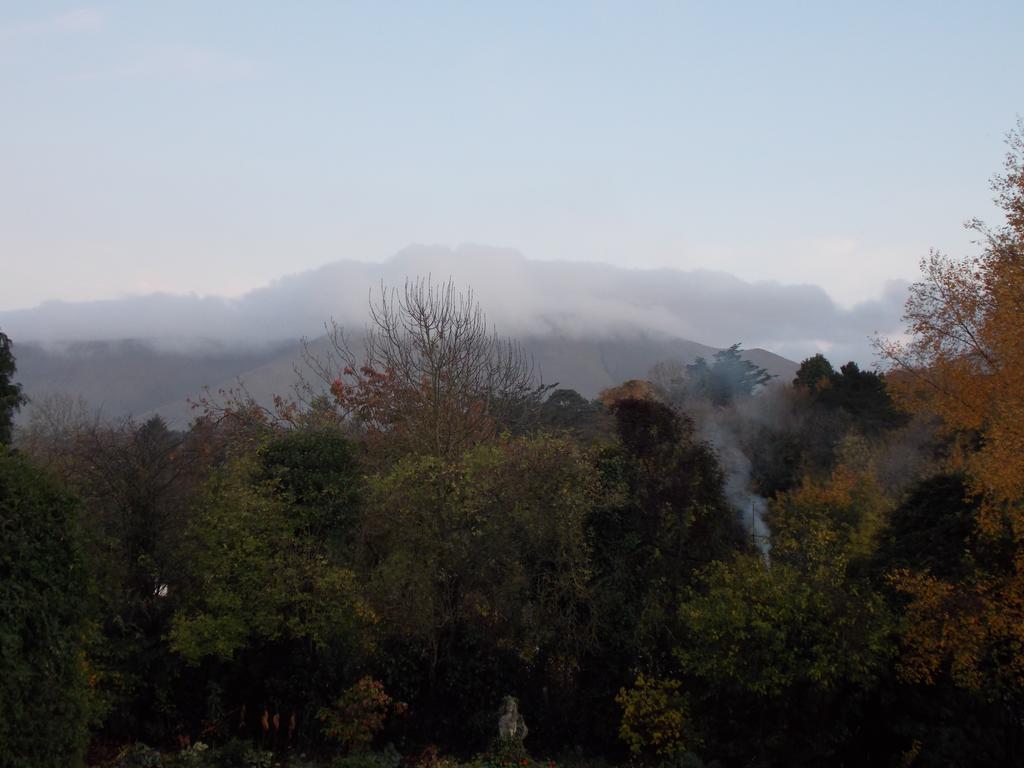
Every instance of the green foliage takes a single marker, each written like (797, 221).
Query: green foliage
(194, 755)
(44, 694)
(387, 757)
(497, 761)
(782, 658)
(567, 409)
(814, 373)
(11, 398)
(138, 755)
(839, 518)
(257, 758)
(861, 396)
(245, 578)
(471, 540)
(258, 576)
(934, 530)
(136, 483)
(765, 630)
(481, 566)
(509, 751)
(655, 718)
(317, 472)
(666, 517)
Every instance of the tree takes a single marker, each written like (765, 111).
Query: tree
(433, 377)
(665, 516)
(316, 471)
(781, 659)
(44, 692)
(259, 573)
(861, 396)
(964, 361)
(480, 569)
(568, 410)
(814, 372)
(11, 397)
(730, 376)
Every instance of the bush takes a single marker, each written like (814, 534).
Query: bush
(358, 716)
(257, 758)
(138, 755)
(385, 758)
(196, 755)
(655, 718)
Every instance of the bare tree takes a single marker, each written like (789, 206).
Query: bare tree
(431, 373)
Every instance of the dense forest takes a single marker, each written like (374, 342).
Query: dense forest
(423, 556)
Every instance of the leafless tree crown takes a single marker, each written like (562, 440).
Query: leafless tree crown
(430, 368)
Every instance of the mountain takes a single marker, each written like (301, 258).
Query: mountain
(140, 378)
(588, 325)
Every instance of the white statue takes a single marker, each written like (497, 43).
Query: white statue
(511, 727)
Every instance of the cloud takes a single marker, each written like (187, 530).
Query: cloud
(521, 297)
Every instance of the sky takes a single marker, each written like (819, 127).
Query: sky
(209, 148)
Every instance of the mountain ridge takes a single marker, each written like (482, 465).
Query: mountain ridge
(589, 325)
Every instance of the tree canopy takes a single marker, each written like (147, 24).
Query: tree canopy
(729, 376)
(11, 397)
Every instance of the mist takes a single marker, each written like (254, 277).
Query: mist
(521, 297)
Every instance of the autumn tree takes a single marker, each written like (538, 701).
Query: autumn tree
(432, 375)
(965, 362)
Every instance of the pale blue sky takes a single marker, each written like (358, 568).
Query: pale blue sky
(213, 146)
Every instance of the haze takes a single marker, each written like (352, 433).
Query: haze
(189, 149)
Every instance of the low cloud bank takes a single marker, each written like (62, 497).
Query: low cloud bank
(520, 296)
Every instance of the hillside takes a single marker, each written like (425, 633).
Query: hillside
(587, 325)
(135, 377)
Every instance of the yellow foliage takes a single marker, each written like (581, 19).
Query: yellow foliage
(965, 363)
(654, 717)
(837, 515)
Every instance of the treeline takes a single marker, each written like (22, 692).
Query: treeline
(707, 568)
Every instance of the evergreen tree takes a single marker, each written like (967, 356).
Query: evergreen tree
(11, 398)
(43, 688)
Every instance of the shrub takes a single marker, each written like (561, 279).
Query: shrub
(138, 755)
(194, 755)
(358, 715)
(385, 758)
(257, 758)
(655, 718)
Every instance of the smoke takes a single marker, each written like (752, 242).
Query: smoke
(721, 428)
(736, 430)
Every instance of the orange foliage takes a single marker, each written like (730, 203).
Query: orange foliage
(634, 389)
(965, 363)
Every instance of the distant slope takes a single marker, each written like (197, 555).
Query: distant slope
(589, 326)
(588, 366)
(132, 376)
